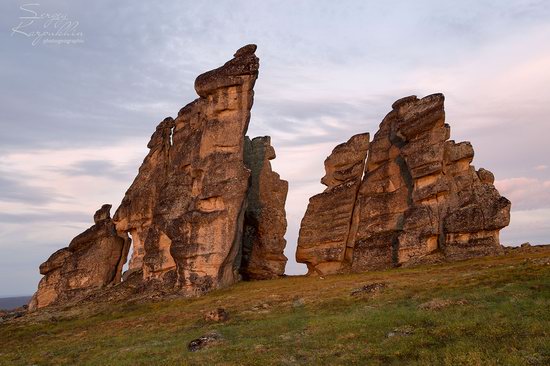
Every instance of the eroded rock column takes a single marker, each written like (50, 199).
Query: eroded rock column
(265, 217)
(185, 210)
(325, 232)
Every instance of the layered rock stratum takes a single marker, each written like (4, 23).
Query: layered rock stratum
(410, 196)
(201, 213)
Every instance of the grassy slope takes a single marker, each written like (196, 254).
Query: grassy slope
(501, 317)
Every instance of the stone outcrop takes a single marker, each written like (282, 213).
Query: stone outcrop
(327, 227)
(92, 261)
(194, 197)
(206, 209)
(265, 217)
(185, 209)
(419, 198)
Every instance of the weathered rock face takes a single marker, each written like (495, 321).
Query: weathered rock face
(185, 211)
(135, 214)
(419, 198)
(265, 217)
(92, 260)
(327, 227)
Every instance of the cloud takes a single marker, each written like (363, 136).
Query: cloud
(525, 193)
(541, 167)
(313, 120)
(16, 190)
(98, 168)
(54, 217)
(527, 226)
(69, 179)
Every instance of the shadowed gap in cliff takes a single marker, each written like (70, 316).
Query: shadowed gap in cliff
(126, 265)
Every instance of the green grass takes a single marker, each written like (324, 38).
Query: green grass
(498, 313)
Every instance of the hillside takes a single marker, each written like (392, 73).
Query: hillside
(491, 311)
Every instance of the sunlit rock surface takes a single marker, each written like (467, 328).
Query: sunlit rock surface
(419, 200)
(92, 261)
(188, 209)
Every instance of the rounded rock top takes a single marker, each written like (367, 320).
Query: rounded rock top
(249, 49)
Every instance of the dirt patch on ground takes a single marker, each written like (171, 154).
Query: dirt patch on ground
(438, 304)
(368, 289)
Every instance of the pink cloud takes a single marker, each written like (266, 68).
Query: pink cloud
(525, 193)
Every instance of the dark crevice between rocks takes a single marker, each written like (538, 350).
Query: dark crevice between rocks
(442, 212)
(352, 229)
(441, 237)
(229, 270)
(407, 178)
(400, 142)
(124, 257)
(353, 223)
(253, 160)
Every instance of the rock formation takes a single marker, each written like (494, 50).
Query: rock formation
(92, 261)
(206, 208)
(265, 219)
(327, 227)
(419, 198)
(190, 203)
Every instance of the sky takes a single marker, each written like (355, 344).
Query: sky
(78, 108)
